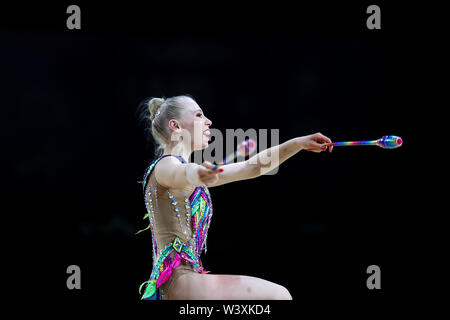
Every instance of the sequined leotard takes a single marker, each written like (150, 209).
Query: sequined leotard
(179, 222)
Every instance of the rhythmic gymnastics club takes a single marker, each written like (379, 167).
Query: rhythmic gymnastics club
(245, 148)
(386, 142)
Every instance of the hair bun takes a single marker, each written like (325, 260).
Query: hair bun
(154, 104)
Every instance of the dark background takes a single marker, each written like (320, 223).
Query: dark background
(73, 149)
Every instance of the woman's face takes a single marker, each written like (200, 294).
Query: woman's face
(196, 124)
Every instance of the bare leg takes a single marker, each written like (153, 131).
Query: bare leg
(196, 286)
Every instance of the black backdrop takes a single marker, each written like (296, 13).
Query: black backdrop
(73, 150)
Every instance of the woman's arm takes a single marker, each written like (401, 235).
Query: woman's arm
(269, 159)
(170, 173)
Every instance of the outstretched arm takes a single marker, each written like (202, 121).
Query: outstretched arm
(170, 173)
(269, 159)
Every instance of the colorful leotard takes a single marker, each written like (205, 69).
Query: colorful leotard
(179, 226)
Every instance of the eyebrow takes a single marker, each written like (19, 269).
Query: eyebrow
(198, 110)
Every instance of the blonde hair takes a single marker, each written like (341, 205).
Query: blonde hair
(157, 112)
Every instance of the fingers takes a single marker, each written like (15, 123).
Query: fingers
(318, 137)
(318, 143)
(207, 175)
(207, 165)
(317, 147)
(210, 166)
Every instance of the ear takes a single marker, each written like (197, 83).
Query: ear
(173, 125)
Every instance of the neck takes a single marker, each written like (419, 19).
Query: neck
(178, 149)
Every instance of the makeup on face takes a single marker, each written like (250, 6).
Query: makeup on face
(206, 132)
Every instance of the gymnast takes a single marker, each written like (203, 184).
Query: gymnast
(179, 206)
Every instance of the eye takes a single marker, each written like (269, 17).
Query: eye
(199, 114)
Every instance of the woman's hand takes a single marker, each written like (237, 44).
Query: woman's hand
(314, 142)
(206, 175)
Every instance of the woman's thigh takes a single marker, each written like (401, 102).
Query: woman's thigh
(197, 286)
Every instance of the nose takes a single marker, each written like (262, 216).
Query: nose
(208, 122)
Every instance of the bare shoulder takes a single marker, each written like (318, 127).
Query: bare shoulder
(165, 169)
(167, 162)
